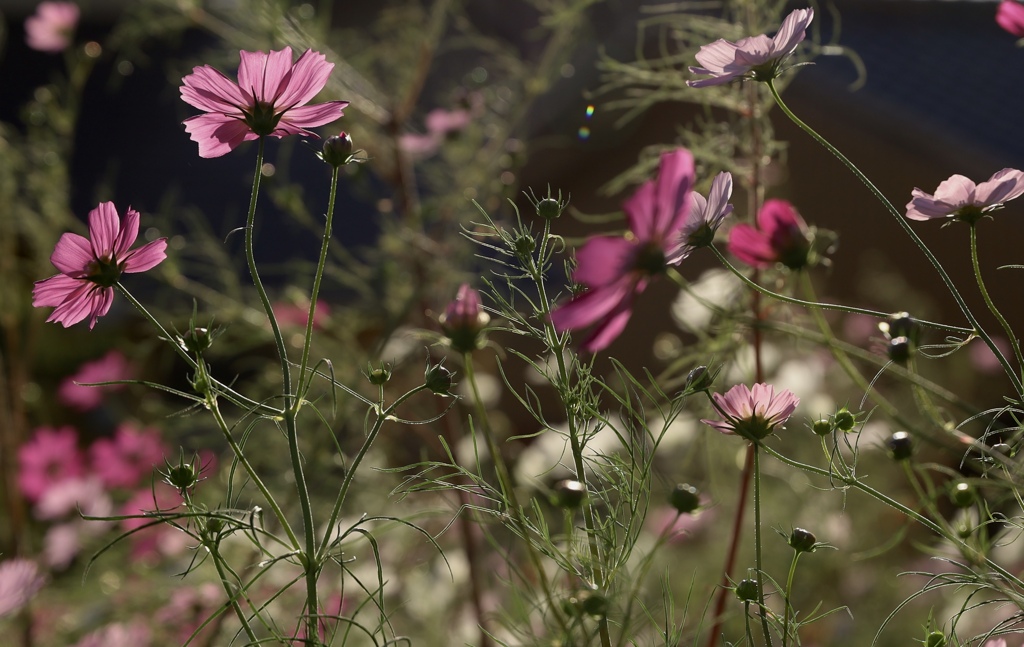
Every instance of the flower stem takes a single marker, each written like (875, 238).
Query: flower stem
(315, 292)
(789, 590)
(992, 306)
(218, 561)
(758, 566)
(977, 329)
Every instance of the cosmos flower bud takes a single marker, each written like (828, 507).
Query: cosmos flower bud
(699, 379)
(747, 590)
(549, 208)
(935, 639)
(962, 495)
(684, 498)
(337, 150)
(380, 375)
(438, 379)
(464, 319)
(802, 541)
(570, 493)
(900, 446)
(844, 420)
(822, 427)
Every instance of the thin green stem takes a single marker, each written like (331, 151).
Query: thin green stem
(947, 281)
(315, 292)
(232, 597)
(992, 306)
(789, 590)
(758, 565)
(814, 305)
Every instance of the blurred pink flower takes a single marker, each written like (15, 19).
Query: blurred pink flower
(677, 528)
(290, 314)
(269, 100)
(90, 269)
(128, 457)
(147, 506)
(61, 544)
(757, 57)
(615, 269)
(20, 580)
(780, 237)
(50, 457)
(958, 197)
(71, 495)
(118, 634)
(982, 357)
(111, 367)
(188, 608)
(705, 217)
(1010, 16)
(440, 124)
(51, 27)
(752, 413)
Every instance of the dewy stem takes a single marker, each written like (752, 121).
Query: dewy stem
(788, 594)
(992, 306)
(556, 344)
(218, 561)
(310, 567)
(758, 566)
(315, 292)
(977, 329)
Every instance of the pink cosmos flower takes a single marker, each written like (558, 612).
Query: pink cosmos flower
(20, 579)
(90, 268)
(128, 457)
(616, 269)
(111, 367)
(51, 27)
(269, 100)
(151, 541)
(51, 456)
(118, 634)
(1010, 16)
(757, 57)
(71, 495)
(752, 413)
(291, 314)
(464, 319)
(959, 198)
(705, 217)
(780, 237)
(188, 608)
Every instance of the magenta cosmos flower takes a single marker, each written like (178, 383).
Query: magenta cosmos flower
(1010, 16)
(781, 236)
(50, 457)
(757, 57)
(269, 100)
(111, 367)
(128, 457)
(50, 28)
(752, 413)
(959, 198)
(91, 268)
(615, 269)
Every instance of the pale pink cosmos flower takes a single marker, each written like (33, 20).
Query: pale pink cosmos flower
(752, 413)
(1010, 16)
(90, 268)
(757, 57)
(616, 269)
(111, 367)
(51, 27)
(958, 197)
(781, 236)
(269, 100)
(128, 457)
(118, 634)
(20, 579)
(50, 457)
(292, 314)
(86, 494)
(705, 217)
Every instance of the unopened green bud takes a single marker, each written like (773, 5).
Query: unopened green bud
(594, 604)
(747, 590)
(524, 245)
(802, 541)
(337, 150)
(549, 208)
(900, 445)
(962, 495)
(438, 379)
(899, 350)
(935, 639)
(699, 379)
(822, 427)
(844, 420)
(570, 493)
(684, 498)
(380, 375)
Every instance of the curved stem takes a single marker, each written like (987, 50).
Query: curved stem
(992, 306)
(315, 292)
(789, 589)
(218, 561)
(1014, 378)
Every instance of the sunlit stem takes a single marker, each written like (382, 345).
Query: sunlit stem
(1014, 342)
(788, 612)
(950, 286)
(218, 561)
(315, 292)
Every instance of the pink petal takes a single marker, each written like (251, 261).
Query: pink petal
(53, 291)
(777, 217)
(717, 58)
(718, 206)
(72, 255)
(1005, 185)
(603, 260)
(209, 90)
(640, 211)
(751, 246)
(264, 75)
(753, 51)
(129, 232)
(675, 181)
(792, 32)
(146, 257)
(610, 327)
(308, 77)
(590, 307)
(1010, 16)
(217, 134)
(923, 206)
(956, 192)
(76, 305)
(714, 80)
(315, 115)
(104, 225)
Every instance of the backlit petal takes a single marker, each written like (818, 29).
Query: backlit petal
(211, 91)
(104, 226)
(216, 134)
(308, 77)
(146, 257)
(72, 255)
